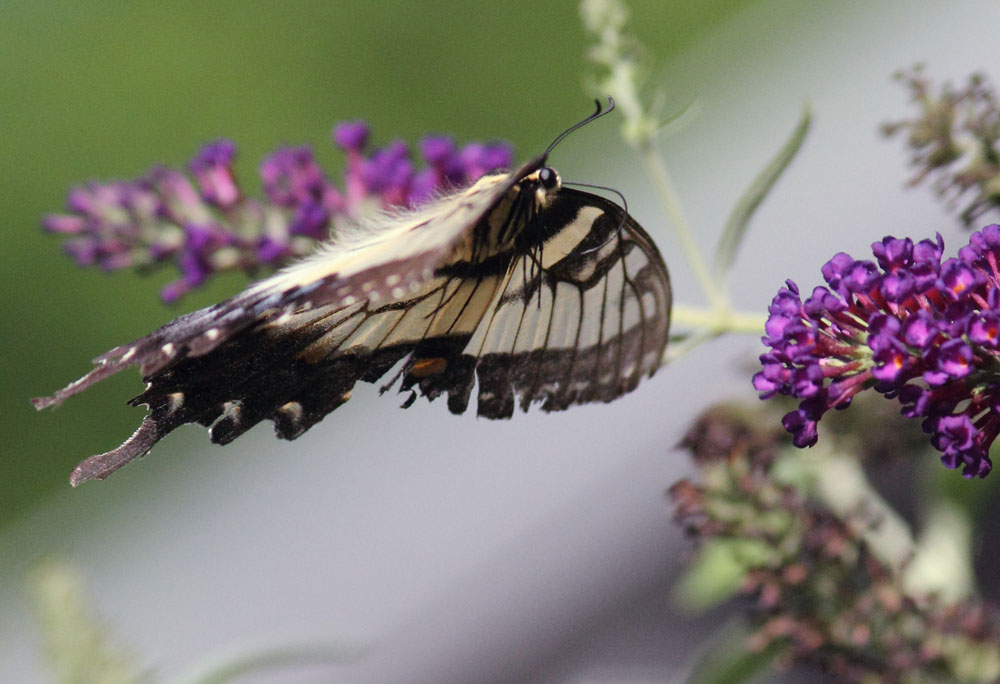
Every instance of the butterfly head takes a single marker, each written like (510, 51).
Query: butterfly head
(545, 183)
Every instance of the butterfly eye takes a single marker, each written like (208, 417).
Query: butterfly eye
(548, 177)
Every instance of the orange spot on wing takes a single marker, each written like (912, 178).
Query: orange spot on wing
(421, 368)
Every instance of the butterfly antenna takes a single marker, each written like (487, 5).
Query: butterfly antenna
(621, 224)
(593, 117)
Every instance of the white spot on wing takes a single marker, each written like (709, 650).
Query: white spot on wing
(231, 410)
(293, 410)
(176, 400)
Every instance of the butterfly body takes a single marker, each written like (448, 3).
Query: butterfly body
(536, 293)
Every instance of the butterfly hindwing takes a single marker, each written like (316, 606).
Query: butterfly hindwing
(581, 319)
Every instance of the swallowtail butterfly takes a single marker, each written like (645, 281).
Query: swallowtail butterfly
(540, 293)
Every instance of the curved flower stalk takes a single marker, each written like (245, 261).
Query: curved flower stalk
(204, 222)
(619, 60)
(914, 327)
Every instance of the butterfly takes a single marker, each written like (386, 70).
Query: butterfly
(538, 293)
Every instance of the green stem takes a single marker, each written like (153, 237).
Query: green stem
(707, 325)
(679, 349)
(717, 297)
(719, 318)
(718, 321)
(938, 562)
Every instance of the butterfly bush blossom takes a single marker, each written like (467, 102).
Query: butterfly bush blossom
(913, 327)
(204, 222)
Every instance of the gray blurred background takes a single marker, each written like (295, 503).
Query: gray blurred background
(454, 549)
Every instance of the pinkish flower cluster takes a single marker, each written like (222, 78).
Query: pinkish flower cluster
(821, 596)
(204, 223)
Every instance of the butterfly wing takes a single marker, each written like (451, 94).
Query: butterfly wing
(295, 336)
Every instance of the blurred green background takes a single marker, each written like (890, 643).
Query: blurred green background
(105, 90)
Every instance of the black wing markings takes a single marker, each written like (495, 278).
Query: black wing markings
(572, 373)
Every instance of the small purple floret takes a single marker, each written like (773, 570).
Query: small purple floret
(893, 253)
(292, 177)
(351, 135)
(270, 250)
(496, 157)
(437, 150)
(212, 167)
(957, 278)
(984, 329)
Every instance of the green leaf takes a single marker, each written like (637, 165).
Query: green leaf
(739, 219)
(235, 665)
(727, 661)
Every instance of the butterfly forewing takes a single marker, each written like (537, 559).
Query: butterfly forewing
(553, 297)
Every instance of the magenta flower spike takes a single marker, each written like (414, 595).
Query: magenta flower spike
(204, 222)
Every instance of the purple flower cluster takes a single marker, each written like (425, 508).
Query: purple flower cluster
(911, 326)
(204, 223)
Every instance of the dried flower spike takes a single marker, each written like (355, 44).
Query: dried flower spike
(954, 140)
(822, 595)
